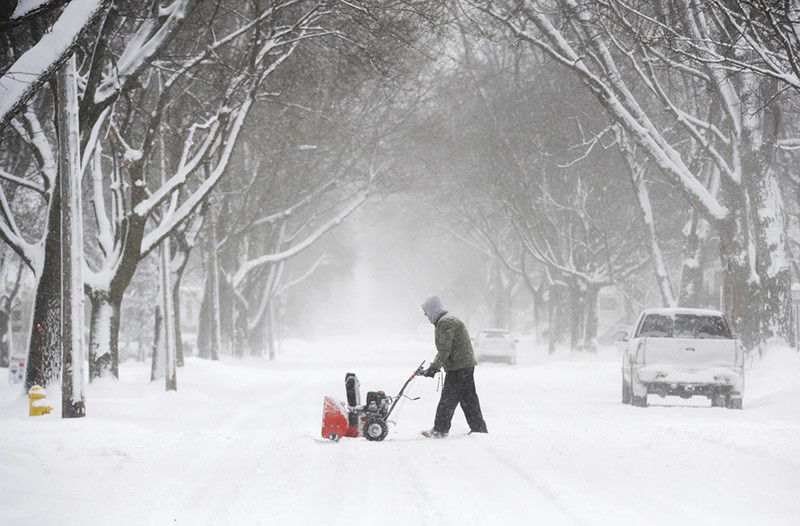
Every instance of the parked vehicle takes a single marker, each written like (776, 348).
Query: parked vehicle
(495, 345)
(683, 352)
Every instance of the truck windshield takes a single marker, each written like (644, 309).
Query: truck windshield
(697, 326)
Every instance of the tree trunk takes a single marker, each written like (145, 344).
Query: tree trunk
(103, 335)
(645, 210)
(213, 283)
(256, 341)
(272, 330)
(691, 287)
(204, 329)
(170, 364)
(5, 337)
(591, 323)
(157, 361)
(740, 289)
(241, 335)
(766, 307)
(7, 302)
(44, 346)
(176, 307)
(576, 308)
(773, 265)
(552, 328)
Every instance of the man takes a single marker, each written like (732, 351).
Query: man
(454, 354)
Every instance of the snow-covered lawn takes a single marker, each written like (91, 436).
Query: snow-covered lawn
(239, 443)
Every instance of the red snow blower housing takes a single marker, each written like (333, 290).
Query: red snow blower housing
(356, 420)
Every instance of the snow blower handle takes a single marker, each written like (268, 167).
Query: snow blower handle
(402, 389)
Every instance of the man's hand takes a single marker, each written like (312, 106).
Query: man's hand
(430, 372)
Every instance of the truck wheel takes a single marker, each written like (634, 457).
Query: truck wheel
(733, 403)
(626, 392)
(375, 429)
(639, 401)
(719, 401)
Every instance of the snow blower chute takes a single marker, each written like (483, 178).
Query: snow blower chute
(356, 420)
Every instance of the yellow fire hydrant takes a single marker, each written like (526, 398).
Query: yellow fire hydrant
(38, 405)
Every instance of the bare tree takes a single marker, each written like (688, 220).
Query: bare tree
(595, 40)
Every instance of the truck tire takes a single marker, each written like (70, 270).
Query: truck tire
(626, 392)
(718, 400)
(637, 401)
(733, 402)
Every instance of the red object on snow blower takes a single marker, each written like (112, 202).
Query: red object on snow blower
(356, 420)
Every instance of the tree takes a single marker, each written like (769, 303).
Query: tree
(206, 138)
(594, 40)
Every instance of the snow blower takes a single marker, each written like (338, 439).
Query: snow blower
(356, 420)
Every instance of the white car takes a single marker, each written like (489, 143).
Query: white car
(495, 345)
(683, 352)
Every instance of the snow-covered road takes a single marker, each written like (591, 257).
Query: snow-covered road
(239, 444)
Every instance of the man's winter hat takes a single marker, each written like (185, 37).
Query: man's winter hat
(432, 308)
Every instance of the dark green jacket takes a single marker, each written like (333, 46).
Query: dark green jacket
(453, 346)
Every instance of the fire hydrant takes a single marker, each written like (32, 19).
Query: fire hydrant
(37, 403)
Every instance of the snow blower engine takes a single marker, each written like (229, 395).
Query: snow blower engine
(356, 420)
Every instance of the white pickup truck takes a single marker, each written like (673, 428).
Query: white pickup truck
(683, 352)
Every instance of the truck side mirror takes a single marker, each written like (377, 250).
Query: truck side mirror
(621, 336)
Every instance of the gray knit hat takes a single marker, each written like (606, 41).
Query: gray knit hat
(432, 307)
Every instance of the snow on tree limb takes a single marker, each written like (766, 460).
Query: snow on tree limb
(22, 182)
(614, 96)
(24, 10)
(187, 166)
(141, 50)
(152, 239)
(37, 65)
(252, 264)
(10, 233)
(30, 130)
(105, 232)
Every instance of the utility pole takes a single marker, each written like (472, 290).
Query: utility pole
(73, 370)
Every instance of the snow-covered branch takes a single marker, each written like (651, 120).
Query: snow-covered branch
(23, 182)
(38, 64)
(611, 91)
(213, 128)
(11, 234)
(299, 247)
(141, 50)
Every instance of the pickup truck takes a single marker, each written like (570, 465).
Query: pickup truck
(683, 352)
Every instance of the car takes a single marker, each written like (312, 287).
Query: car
(682, 352)
(495, 345)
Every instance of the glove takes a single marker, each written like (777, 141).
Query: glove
(430, 372)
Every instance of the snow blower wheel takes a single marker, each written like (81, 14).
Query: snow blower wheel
(355, 420)
(375, 429)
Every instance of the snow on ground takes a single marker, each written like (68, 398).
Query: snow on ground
(239, 443)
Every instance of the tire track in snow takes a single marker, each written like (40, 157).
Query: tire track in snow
(434, 515)
(236, 452)
(533, 482)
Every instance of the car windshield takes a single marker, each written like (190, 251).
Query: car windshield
(696, 326)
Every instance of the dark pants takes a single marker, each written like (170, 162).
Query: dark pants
(459, 388)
